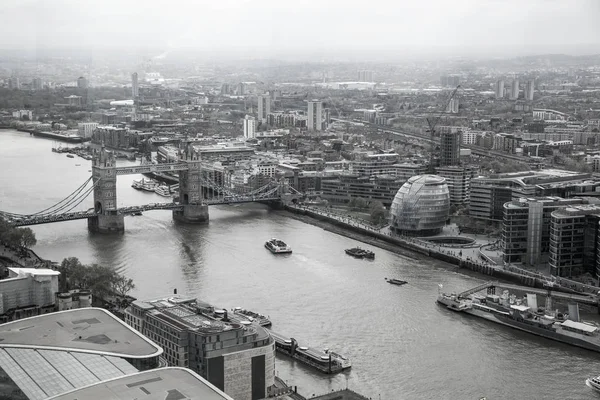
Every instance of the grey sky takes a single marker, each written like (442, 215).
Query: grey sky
(274, 26)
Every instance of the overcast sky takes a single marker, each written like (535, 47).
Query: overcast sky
(276, 26)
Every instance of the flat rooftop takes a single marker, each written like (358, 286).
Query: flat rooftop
(159, 384)
(87, 330)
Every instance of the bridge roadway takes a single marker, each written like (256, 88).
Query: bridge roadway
(583, 299)
(38, 220)
(144, 169)
(474, 149)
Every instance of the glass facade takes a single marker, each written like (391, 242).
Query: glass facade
(421, 206)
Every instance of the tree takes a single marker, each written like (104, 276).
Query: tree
(123, 285)
(377, 211)
(27, 238)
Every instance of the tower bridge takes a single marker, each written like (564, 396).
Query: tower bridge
(199, 187)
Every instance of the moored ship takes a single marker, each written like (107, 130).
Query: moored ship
(525, 315)
(252, 316)
(395, 281)
(147, 185)
(594, 383)
(357, 252)
(277, 246)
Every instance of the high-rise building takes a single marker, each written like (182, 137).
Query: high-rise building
(249, 127)
(82, 83)
(529, 88)
(449, 148)
(236, 356)
(500, 89)
(458, 180)
(134, 86)
(365, 76)
(225, 89)
(514, 89)
(264, 107)
(86, 129)
(36, 84)
(14, 83)
(450, 80)
(241, 90)
(315, 115)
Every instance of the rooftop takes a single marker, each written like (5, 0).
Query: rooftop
(158, 384)
(34, 271)
(86, 330)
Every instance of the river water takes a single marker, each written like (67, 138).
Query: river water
(402, 345)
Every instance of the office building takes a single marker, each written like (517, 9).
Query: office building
(574, 241)
(225, 89)
(450, 148)
(421, 206)
(500, 89)
(514, 89)
(375, 164)
(82, 82)
(27, 292)
(73, 101)
(37, 84)
(315, 115)
(249, 127)
(450, 80)
(134, 86)
(23, 114)
(235, 356)
(526, 228)
(14, 83)
(51, 354)
(241, 89)
(86, 129)
(529, 88)
(365, 76)
(345, 187)
(458, 180)
(264, 108)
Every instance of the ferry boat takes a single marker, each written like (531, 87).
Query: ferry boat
(70, 156)
(594, 383)
(252, 316)
(357, 252)
(394, 281)
(524, 314)
(147, 185)
(326, 361)
(162, 190)
(277, 246)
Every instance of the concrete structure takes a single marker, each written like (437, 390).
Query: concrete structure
(529, 89)
(134, 86)
(264, 108)
(500, 89)
(20, 114)
(37, 84)
(164, 383)
(421, 206)
(236, 357)
(549, 115)
(315, 115)
(514, 89)
(73, 299)
(54, 353)
(450, 148)
(249, 127)
(375, 164)
(27, 292)
(526, 228)
(343, 188)
(14, 83)
(73, 101)
(86, 129)
(452, 107)
(365, 76)
(458, 180)
(574, 241)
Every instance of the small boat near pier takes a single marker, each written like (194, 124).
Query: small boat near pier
(277, 246)
(394, 281)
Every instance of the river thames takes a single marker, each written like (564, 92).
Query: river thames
(401, 344)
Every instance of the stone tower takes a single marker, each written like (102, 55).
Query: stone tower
(190, 189)
(104, 177)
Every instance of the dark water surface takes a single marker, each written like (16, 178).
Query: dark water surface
(402, 345)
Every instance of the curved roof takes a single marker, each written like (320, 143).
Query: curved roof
(84, 330)
(427, 179)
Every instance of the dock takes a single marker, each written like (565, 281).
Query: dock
(325, 361)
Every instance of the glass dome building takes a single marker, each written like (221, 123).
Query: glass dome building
(421, 206)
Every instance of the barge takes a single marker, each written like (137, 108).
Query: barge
(525, 315)
(325, 361)
(357, 252)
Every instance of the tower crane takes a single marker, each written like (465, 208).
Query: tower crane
(432, 123)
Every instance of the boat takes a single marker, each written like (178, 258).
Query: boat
(326, 361)
(136, 213)
(277, 246)
(70, 156)
(394, 281)
(357, 252)
(60, 135)
(594, 383)
(252, 316)
(522, 313)
(162, 190)
(147, 185)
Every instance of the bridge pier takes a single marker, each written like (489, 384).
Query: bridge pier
(192, 214)
(107, 223)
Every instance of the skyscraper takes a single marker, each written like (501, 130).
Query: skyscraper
(264, 107)
(514, 90)
(365, 76)
(249, 127)
(14, 83)
(82, 83)
(500, 89)
(134, 85)
(315, 115)
(529, 90)
(36, 84)
(449, 148)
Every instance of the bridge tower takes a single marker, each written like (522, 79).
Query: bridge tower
(190, 189)
(104, 177)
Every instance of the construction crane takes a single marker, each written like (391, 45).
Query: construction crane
(432, 123)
